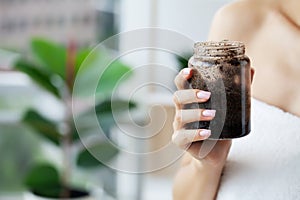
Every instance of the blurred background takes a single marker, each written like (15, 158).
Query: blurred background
(61, 27)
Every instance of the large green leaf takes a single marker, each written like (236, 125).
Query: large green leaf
(104, 111)
(42, 78)
(44, 181)
(86, 125)
(94, 71)
(42, 177)
(118, 105)
(42, 126)
(106, 122)
(103, 152)
(107, 108)
(52, 56)
(113, 75)
(87, 68)
(80, 57)
(18, 150)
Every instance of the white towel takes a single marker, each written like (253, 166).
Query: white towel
(265, 165)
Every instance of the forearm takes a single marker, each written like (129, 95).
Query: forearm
(195, 181)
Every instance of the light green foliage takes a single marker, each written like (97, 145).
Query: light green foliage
(49, 60)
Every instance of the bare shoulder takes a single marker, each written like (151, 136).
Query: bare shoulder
(237, 21)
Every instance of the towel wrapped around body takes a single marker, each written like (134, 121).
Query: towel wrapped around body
(265, 164)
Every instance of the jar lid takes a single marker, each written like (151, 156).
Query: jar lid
(224, 48)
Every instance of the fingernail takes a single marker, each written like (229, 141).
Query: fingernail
(203, 95)
(209, 113)
(205, 133)
(186, 71)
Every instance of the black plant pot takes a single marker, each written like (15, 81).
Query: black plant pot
(53, 194)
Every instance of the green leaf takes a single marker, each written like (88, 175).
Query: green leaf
(42, 78)
(104, 115)
(80, 57)
(18, 150)
(75, 134)
(87, 68)
(94, 71)
(106, 122)
(41, 177)
(112, 76)
(86, 126)
(52, 56)
(108, 106)
(103, 151)
(42, 126)
(183, 60)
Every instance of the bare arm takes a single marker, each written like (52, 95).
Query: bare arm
(195, 181)
(198, 178)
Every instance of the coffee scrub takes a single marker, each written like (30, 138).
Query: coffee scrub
(223, 69)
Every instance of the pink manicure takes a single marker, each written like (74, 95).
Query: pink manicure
(186, 71)
(205, 133)
(203, 95)
(209, 113)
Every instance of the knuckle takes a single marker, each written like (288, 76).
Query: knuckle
(178, 117)
(175, 98)
(175, 125)
(174, 138)
(177, 81)
(178, 140)
(196, 91)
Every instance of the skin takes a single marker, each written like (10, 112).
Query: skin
(270, 30)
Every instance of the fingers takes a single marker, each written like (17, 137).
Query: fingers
(182, 97)
(183, 117)
(183, 138)
(186, 95)
(182, 77)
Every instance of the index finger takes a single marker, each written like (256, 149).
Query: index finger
(181, 80)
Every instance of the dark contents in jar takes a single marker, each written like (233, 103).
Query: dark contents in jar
(228, 80)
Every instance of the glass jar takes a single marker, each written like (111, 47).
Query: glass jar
(223, 69)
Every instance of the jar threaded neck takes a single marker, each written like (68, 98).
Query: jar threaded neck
(220, 49)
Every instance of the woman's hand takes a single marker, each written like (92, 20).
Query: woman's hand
(191, 139)
(199, 175)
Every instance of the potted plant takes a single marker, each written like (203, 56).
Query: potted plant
(53, 67)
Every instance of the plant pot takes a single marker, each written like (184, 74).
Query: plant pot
(76, 195)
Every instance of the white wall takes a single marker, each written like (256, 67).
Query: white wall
(191, 19)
